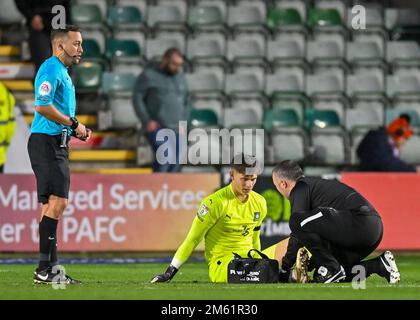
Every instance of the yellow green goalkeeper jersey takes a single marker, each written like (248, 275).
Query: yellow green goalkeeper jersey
(226, 224)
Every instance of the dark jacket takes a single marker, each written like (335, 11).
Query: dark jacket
(161, 97)
(376, 154)
(30, 8)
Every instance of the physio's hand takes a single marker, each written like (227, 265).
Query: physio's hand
(165, 277)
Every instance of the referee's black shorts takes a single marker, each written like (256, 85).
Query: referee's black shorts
(50, 164)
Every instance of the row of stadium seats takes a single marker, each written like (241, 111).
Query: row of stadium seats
(285, 49)
(282, 117)
(299, 71)
(323, 141)
(331, 85)
(235, 13)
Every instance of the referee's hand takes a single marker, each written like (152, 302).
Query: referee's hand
(88, 135)
(80, 131)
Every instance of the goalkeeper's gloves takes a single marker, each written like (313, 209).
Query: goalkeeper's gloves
(167, 276)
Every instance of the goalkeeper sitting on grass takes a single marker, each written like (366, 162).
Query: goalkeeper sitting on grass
(229, 221)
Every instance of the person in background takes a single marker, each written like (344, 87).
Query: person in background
(38, 14)
(7, 122)
(380, 149)
(161, 101)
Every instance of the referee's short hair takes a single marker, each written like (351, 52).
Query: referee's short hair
(246, 164)
(289, 170)
(60, 33)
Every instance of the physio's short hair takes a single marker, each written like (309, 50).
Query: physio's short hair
(246, 164)
(60, 33)
(289, 170)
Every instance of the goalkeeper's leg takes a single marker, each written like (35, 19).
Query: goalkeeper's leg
(277, 251)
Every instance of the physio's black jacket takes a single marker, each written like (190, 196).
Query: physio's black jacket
(311, 193)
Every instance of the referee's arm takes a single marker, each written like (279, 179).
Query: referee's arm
(51, 113)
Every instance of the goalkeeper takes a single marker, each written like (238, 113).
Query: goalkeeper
(229, 220)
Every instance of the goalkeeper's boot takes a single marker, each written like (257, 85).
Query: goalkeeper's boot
(300, 271)
(324, 275)
(388, 267)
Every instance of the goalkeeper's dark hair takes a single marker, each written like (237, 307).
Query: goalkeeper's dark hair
(246, 164)
(289, 170)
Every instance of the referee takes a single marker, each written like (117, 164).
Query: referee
(54, 122)
(335, 223)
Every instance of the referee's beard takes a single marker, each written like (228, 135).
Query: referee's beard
(69, 60)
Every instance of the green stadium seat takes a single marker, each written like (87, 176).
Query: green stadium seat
(283, 17)
(88, 77)
(91, 49)
(202, 118)
(92, 52)
(274, 118)
(116, 48)
(294, 103)
(118, 83)
(123, 16)
(323, 17)
(321, 118)
(205, 15)
(84, 14)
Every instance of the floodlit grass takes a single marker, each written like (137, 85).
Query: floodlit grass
(131, 281)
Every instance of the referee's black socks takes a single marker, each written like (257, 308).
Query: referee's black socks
(47, 239)
(53, 254)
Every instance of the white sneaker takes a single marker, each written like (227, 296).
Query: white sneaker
(390, 269)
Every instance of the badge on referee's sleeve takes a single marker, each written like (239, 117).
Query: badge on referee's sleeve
(202, 211)
(45, 88)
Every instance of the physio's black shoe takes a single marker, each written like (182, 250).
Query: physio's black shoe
(323, 275)
(388, 268)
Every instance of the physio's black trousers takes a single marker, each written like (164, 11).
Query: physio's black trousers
(337, 238)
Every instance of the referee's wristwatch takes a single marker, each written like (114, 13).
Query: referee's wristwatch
(74, 123)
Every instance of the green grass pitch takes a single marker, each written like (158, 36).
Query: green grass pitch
(131, 281)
